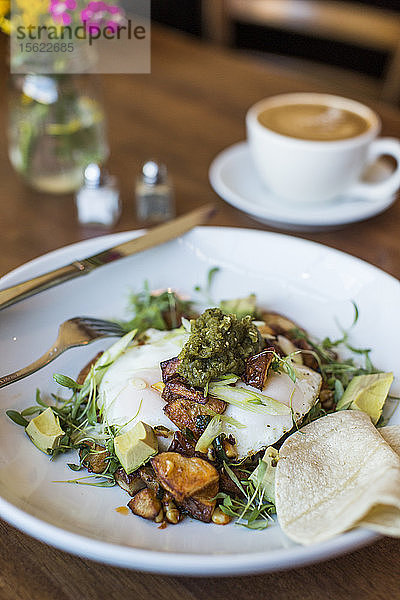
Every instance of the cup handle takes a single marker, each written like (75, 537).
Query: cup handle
(387, 187)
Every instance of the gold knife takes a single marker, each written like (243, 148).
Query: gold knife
(156, 236)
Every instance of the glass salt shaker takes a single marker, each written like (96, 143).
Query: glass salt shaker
(98, 201)
(154, 194)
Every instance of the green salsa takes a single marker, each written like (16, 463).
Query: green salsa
(218, 344)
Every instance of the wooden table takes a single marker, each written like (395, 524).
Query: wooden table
(190, 107)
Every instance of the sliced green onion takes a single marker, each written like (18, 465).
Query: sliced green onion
(225, 379)
(212, 431)
(248, 400)
(233, 422)
(224, 418)
(106, 359)
(186, 325)
(263, 475)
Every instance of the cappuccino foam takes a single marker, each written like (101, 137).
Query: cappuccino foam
(316, 122)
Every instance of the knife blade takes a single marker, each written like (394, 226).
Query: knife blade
(156, 236)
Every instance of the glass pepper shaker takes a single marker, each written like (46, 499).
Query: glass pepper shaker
(98, 201)
(154, 194)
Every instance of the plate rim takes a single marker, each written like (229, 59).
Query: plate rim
(130, 234)
(181, 563)
(117, 237)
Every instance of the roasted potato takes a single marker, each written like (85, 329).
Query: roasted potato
(96, 459)
(257, 367)
(201, 509)
(227, 485)
(184, 413)
(281, 325)
(169, 368)
(181, 445)
(192, 482)
(85, 371)
(177, 388)
(149, 477)
(184, 476)
(145, 504)
(277, 323)
(130, 483)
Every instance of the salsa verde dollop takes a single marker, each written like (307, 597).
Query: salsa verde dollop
(219, 343)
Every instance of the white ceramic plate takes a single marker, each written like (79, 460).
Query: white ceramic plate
(311, 283)
(233, 176)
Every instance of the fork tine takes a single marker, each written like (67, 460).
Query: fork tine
(97, 322)
(100, 325)
(94, 321)
(111, 330)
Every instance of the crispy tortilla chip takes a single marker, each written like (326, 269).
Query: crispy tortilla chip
(335, 474)
(391, 435)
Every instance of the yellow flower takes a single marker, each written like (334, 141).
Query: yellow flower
(31, 12)
(5, 25)
(4, 10)
(25, 12)
(4, 7)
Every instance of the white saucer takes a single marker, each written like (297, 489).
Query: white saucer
(234, 178)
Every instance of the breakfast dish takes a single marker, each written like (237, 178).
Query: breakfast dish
(233, 177)
(30, 497)
(188, 417)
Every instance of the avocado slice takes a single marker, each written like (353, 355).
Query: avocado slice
(367, 393)
(136, 446)
(45, 431)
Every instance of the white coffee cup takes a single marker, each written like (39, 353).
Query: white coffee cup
(309, 171)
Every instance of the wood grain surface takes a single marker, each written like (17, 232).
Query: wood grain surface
(190, 107)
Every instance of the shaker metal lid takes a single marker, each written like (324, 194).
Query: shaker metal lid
(154, 173)
(93, 176)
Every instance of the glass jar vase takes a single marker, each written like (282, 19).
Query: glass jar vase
(56, 128)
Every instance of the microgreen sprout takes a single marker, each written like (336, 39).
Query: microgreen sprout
(161, 311)
(337, 373)
(251, 509)
(284, 364)
(205, 292)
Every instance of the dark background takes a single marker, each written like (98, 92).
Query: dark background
(185, 15)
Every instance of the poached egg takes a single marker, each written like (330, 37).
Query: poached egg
(126, 395)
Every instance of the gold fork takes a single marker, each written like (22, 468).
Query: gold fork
(78, 331)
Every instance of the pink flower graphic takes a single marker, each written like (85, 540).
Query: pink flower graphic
(101, 14)
(59, 11)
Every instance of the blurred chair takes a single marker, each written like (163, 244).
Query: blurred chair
(359, 25)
